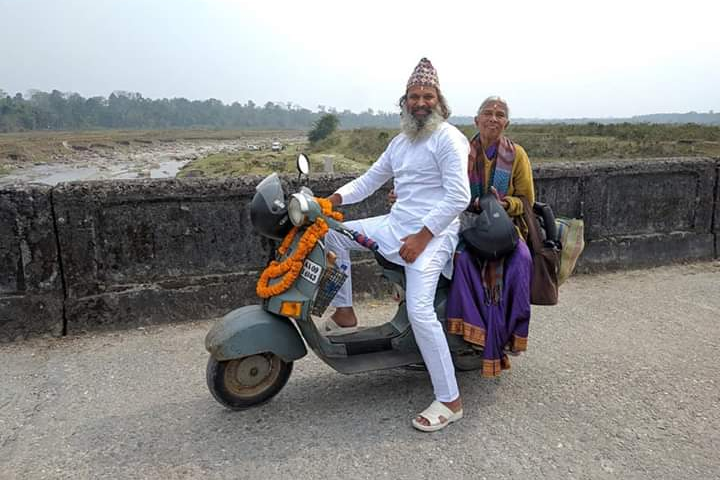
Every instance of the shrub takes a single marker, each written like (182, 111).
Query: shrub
(323, 128)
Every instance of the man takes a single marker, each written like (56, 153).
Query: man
(428, 162)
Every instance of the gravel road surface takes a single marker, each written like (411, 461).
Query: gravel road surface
(620, 381)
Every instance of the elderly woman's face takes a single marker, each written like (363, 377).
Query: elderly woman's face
(491, 121)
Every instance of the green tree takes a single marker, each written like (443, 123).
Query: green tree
(323, 127)
(122, 109)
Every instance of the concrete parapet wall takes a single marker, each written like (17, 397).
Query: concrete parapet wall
(31, 292)
(93, 255)
(637, 213)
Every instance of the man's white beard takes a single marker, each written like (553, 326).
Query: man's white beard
(414, 128)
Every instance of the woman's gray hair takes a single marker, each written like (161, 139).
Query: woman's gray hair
(495, 99)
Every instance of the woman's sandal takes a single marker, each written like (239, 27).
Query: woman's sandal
(433, 413)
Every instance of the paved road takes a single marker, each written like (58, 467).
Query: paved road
(620, 381)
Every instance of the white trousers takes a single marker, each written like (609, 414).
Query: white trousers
(419, 297)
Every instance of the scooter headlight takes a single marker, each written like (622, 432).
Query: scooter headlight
(297, 209)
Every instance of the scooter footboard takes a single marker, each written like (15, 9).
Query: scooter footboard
(251, 330)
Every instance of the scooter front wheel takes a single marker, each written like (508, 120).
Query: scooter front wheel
(245, 382)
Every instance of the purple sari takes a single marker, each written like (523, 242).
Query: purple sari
(495, 326)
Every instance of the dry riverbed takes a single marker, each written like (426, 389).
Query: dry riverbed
(59, 157)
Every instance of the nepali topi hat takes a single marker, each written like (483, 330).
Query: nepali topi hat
(424, 75)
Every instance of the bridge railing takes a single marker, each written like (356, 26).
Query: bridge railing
(95, 255)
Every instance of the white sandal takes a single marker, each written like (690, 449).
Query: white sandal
(433, 413)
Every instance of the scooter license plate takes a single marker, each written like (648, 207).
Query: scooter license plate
(311, 271)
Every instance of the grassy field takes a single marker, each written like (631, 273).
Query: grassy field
(546, 143)
(352, 151)
(618, 141)
(261, 163)
(235, 165)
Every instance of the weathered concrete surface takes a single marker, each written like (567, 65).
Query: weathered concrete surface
(716, 210)
(153, 251)
(619, 382)
(637, 213)
(31, 295)
(612, 253)
(148, 252)
(143, 252)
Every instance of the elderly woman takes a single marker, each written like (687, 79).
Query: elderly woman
(489, 301)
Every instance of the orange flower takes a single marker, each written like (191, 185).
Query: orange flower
(327, 210)
(290, 267)
(287, 241)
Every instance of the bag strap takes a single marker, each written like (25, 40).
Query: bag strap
(532, 224)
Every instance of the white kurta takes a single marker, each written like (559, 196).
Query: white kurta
(432, 188)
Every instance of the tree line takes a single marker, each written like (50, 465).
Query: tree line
(56, 110)
(70, 111)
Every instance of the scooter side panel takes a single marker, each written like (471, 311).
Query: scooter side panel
(251, 330)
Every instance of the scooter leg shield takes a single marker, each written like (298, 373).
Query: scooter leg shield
(251, 330)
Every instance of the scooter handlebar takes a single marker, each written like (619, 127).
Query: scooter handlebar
(361, 239)
(365, 241)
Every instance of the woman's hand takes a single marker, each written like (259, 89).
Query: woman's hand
(392, 196)
(504, 203)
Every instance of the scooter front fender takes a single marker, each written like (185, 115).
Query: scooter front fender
(251, 330)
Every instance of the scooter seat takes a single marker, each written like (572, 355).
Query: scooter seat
(387, 264)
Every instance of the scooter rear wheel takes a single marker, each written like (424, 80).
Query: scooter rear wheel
(246, 382)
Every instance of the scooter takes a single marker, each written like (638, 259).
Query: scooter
(252, 349)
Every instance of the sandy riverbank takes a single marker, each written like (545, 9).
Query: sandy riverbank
(126, 161)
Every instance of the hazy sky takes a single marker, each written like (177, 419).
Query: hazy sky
(549, 58)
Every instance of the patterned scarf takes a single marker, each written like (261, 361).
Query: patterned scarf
(502, 154)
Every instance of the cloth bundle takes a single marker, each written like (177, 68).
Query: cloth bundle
(572, 239)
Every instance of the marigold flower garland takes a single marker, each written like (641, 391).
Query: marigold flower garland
(290, 267)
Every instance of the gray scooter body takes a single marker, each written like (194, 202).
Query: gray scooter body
(261, 328)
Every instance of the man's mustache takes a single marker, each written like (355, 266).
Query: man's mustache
(417, 110)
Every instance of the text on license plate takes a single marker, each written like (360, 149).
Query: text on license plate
(311, 271)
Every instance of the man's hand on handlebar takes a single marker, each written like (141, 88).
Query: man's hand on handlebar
(335, 199)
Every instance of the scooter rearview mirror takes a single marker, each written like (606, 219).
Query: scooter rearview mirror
(303, 164)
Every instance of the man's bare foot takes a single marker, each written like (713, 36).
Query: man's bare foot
(455, 406)
(344, 317)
